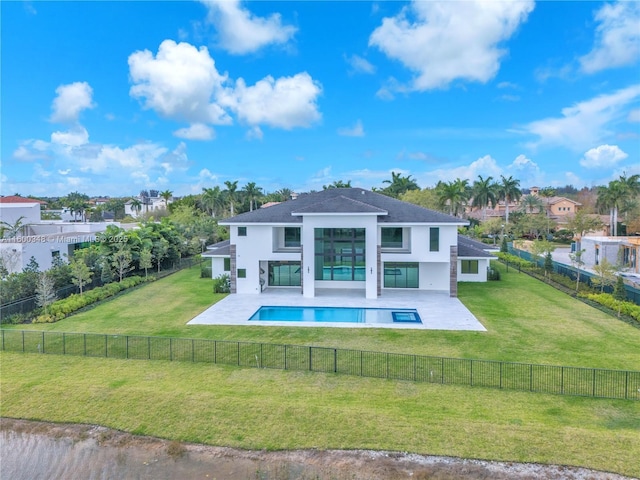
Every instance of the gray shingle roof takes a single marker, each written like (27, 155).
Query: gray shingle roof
(467, 247)
(218, 249)
(344, 200)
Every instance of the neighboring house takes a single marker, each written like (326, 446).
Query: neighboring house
(14, 207)
(42, 240)
(617, 250)
(347, 239)
(147, 204)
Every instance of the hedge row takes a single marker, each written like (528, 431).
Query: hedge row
(626, 308)
(62, 308)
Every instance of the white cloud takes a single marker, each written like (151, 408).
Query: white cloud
(31, 150)
(510, 98)
(71, 99)
(196, 131)
(508, 85)
(75, 137)
(604, 156)
(182, 83)
(584, 123)
(178, 82)
(356, 131)
(445, 41)
(254, 133)
(64, 172)
(240, 31)
(617, 41)
(525, 170)
(634, 115)
(359, 64)
(287, 102)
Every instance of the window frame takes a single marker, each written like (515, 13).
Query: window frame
(434, 239)
(242, 273)
(242, 231)
(469, 264)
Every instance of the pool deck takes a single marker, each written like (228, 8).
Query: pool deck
(437, 310)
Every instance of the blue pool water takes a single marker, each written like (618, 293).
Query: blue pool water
(334, 314)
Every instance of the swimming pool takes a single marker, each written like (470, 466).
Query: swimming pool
(336, 314)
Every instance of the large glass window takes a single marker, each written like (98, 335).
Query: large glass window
(284, 274)
(227, 264)
(391, 237)
(469, 266)
(401, 275)
(242, 231)
(340, 254)
(292, 236)
(434, 239)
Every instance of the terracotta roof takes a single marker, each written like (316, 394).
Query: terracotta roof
(18, 199)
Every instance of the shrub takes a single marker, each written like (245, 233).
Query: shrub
(626, 308)
(493, 274)
(222, 284)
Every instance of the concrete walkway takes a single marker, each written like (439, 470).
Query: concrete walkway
(437, 310)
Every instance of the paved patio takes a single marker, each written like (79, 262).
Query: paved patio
(437, 310)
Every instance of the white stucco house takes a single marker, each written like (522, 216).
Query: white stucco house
(347, 239)
(42, 240)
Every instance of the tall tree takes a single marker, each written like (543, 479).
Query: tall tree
(45, 291)
(485, 193)
(399, 185)
(80, 273)
(532, 204)
(577, 262)
(121, 260)
(508, 190)
(230, 193)
(453, 195)
(212, 200)
(146, 258)
(582, 223)
(166, 196)
(136, 206)
(252, 192)
(338, 184)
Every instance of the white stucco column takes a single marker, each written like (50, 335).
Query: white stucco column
(372, 258)
(308, 256)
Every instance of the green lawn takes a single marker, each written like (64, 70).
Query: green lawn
(527, 321)
(273, 409)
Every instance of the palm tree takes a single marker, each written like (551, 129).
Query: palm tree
(166, 196)
(453, 195)
(485, 193)
(616, 196)
(252, 192)
(231, 194)
(136, 206)
(284, 194)
(547, 193)
(509, 190)
(399, 185)
(212, 200)
(338, 184)
(11, 230)
(531, 203)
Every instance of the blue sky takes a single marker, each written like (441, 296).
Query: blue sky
(108, 98)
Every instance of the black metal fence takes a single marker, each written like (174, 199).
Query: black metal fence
(589, 382)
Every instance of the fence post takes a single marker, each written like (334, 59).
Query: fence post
(106, 350)
(126, 348)
(285, 357)
(500, 374)
(335, 360)
(2, 339)
(361, 369)
(471, 373)
(387, 365)
(261, 361)
(193, 350)
(593, 392)
(215, 351)
(238, 346)
(64, 346)
(310, 356)
(562, 380)
(84, 335)
(626, 384)
(170, 349)
(43, 341)
(415, 368)
(531, 377)
(442, 370)
(149, 347)
(22, 341)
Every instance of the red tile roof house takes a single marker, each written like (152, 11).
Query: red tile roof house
(349, 239)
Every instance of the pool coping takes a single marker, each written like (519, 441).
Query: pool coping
(437, 310)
